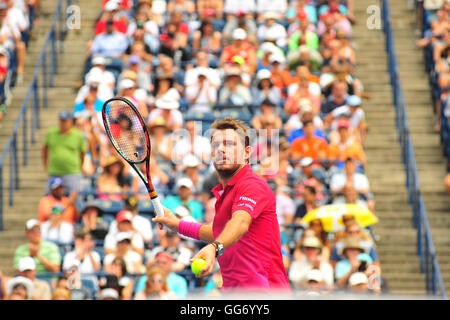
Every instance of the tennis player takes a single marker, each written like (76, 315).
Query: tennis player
(245, 235)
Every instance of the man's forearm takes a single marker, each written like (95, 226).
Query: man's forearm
(50, 266)
(235, 228)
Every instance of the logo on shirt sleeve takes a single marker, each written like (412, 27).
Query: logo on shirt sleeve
(244, 202)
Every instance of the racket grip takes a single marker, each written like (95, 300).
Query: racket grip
(159, 210)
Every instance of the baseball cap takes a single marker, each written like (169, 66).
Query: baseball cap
(190, 161)
(27, 283)
(343, 124)
(122, 236)
(111, 6)
(126, 84)
(277, 57)
(311, 242)
(109, 293)
(306, 161)
(314, 275)
(124, 215)
(270, 15)
(65, 115)
(26, 263)
(32, 223)
(239, 34)
(263, 74)
(357, 278)
(354, 101)
(55, 183)
(184, 182)
(98, 60)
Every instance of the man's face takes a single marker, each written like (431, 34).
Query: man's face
(311, 253)
(184, 193)
(34, 234)
(228, 151)
(353, 232)
(339, 90)
(65, 125)
(124, 226)
(58, 192)
(30, 274)
(164, 264)
(350, 167)
(309, 129)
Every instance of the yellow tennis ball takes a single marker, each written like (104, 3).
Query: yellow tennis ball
(198, 265)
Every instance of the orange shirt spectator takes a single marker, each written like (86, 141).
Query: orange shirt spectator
(347, 147)
(55, 197)
(310, 145)
(281, 78)
(240, 47)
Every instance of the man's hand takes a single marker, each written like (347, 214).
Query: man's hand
(208, 253)
(169, 220)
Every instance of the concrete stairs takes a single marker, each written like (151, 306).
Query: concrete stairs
(396, 237)
(430, 161)
(62, 96)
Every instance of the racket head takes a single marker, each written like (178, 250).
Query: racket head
(126, 130)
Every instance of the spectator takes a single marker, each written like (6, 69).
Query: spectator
(265, 89)
(240, 20)
(113, 182)
(55, 229)
(201, 95)
(185, 189)
(307, 257)
(171, 242)
(208, 40)
(118, 278)
(155, 287)
(167, 108)
(359, 283)
(310, 175)
(202, 66)
(353, 231)
(358, 179)
(140, 224)
(89, 260)
(337, 98)
(93, 88)
(124, 226)
(267, 118)
(92, 222)
(192, 142)
(294, 126)
(27, 269)
(239, 47)
(124, 251)
(175, 282)
(63, 154)
(302, 33)
(347, 146)
(190, 168)
(271, 30)
(309, 203)
(104, 76)
(109, 14)
(162, 144)
(19, 288)
(351, 264)
(285, 206)
(234, 93)
(301, 10)
(57, 197)
(310, 145)
(45, 254)
(109, 43)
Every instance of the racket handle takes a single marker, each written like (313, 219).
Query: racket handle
(159, 210)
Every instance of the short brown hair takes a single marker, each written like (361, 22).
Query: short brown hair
(237, 125)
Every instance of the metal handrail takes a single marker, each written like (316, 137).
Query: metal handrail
(29, 113)
(425, 247)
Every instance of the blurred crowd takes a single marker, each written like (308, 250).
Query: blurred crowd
(285, 68)
(435, 30)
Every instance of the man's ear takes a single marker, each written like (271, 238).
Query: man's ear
(248, 152)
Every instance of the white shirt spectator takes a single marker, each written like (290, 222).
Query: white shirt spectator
(313, 88)
(111, 241)
(10, 32)
(276, 31)
(191, 76)
(17, 19)
(63, 234)
(140, 224)
(202, 147)
(294, 122)
(299, 269)
(360, 181)
(85, 265)
(103, 77)
(204, 97)
(104, 93)
(131, 258)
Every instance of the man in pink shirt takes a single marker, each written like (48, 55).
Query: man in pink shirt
(245, 235)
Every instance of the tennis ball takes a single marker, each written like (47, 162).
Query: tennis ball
(198, 265)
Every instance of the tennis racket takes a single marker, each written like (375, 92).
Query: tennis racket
(128, 134)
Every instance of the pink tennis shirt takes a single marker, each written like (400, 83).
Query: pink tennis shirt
(255, 261)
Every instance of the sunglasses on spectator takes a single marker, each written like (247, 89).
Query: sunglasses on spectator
(353, 231)
(157, 280)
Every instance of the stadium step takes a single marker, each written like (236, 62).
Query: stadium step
(61, 96)
(420, 111)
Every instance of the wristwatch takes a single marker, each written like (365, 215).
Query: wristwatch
(219, 248)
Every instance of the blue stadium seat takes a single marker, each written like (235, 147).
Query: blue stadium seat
(111, 207)
(108, 218)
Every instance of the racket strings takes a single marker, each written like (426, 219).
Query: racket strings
(127, 132)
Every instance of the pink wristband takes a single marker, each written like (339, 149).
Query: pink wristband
(189, 229)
